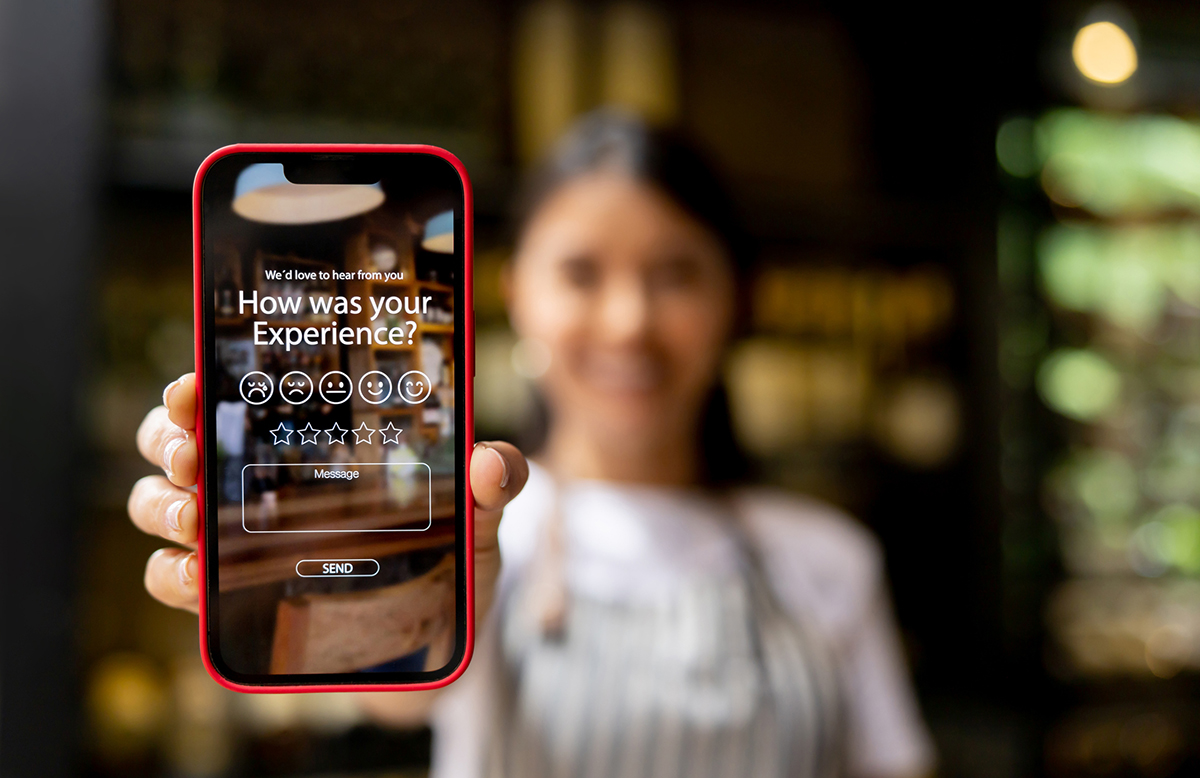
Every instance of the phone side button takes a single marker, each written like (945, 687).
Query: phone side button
(337, 568)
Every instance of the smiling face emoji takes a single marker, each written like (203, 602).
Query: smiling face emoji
(375, 387)
(415, 387)
(335, 387)
(296, 387)
(256, 387)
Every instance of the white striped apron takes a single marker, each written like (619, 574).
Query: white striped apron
(719, 681)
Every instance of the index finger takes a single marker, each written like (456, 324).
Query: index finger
(180, 399)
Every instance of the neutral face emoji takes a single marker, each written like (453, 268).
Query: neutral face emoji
(415, 386)
(256, 387)
(296, 387)
(335, 387)
(375, 387)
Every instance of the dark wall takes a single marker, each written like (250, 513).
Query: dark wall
(49, 111)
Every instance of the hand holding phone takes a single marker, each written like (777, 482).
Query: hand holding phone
(333, 424)
(164, 507)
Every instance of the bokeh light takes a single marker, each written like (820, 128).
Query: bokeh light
(1079, 383)
(1104, 53)
(1015, 147)
(1107, 484)
(1127, 274)
(1112, 165)
(1169, 540)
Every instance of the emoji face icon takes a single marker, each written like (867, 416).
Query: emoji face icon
(415, 387)
(256, 387)
(335, 387)
(374, 387)
(295, 387)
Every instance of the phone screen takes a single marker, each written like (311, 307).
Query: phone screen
(333, 416)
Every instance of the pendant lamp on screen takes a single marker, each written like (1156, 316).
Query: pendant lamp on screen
(263, 194)
(439, 233)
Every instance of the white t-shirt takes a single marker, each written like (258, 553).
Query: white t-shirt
(636, 544)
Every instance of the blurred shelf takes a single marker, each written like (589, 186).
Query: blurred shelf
(782, 214)
(159, 142)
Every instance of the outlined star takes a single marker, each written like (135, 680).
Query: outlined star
(363, 434)
(282, 434)
(336, 434)
(308, 432)
(389, 431)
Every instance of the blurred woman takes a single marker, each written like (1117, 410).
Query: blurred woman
(653, 615)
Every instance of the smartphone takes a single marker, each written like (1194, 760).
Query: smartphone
(334, 358)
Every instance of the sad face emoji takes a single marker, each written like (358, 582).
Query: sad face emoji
(335, 387)
(296, 387)
(256, 387)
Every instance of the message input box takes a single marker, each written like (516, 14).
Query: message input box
(367, 486)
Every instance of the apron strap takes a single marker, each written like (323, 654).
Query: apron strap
(548, 596)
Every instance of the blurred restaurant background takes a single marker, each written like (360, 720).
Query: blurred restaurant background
(975, 325)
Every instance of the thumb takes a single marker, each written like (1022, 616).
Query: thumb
(498, 472)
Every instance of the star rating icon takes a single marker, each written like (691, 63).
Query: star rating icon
(336, 433)
(363, 434)
(282, 435)
(391, 433)
(309, 434)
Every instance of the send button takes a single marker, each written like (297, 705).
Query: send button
(337, 568)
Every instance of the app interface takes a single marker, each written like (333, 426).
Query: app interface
(333, 428)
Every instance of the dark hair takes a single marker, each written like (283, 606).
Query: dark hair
(610, 140)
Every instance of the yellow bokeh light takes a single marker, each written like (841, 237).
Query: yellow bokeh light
(1104, 53)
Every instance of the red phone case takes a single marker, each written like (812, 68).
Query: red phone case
(468, 400)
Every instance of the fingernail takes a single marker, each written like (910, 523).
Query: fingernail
(170, 388)
(503, 467)
(155, 555)
(187, 571)
(172, 517)
(169, 453)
